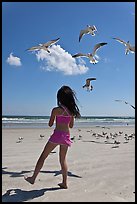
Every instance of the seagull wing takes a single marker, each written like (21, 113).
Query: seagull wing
(129, 104)
(94, 27)
(80, 55)
(84, 86)
(91, 79)
(88, 81)
(49, 43)
(118, 100)
(82, 32)
(121, 41)
(34, 48)
(132, 48)
(97, 46)
(126, 102)
(132, 106)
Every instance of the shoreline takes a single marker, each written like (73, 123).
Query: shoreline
(75, 127)
(87, 121)
(5, 126)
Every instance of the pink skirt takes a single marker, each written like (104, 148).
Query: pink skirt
(60, 137)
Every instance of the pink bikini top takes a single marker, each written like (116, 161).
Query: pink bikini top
(63, 118)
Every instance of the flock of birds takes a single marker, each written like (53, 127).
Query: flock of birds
(103, 137)
(92, 30)
(114, 139)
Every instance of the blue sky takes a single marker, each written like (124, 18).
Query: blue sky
(30, 80)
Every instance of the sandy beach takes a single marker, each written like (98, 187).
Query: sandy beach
(101, 164)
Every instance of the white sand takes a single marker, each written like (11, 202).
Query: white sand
(98, 172)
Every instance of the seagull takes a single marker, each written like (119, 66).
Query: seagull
(44, 46)
(88, 85)
(73, 138)
(41, 136)
(79, 137)
(129, 48)
(91, 56)
(20, 138)
(125, 103)
(88, 30)
(116, 142)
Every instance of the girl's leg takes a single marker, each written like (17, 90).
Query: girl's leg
(63, 163)
(48, 148)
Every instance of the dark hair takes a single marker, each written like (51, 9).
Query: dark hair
(67, 97)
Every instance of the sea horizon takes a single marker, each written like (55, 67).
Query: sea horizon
(37, 121)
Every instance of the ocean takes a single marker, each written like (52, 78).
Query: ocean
(85, 121)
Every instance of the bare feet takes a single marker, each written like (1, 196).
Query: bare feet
(29, 179)
(62, 185)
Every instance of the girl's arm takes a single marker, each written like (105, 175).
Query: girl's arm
(52, 117)
(71, 122)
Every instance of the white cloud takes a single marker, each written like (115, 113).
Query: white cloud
(11, 60)
(60, 60)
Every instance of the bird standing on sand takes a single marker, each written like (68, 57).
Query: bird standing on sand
(91, 56)
(125, 103)
(41, 136)
(20, 139)
(129, 48)
(73, 138)
(88, 84)
(44, 46)
(89, 30)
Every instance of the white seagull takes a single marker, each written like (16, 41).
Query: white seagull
(91, 56)
(44, 46)
(129, 47)
(125, 103)
(89, 30)
(88, 84)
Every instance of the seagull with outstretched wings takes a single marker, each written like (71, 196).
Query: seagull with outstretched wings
(89, 30)
(129, 47)
(88, 84)
(44, 46)
(91, 56)
(125, 103)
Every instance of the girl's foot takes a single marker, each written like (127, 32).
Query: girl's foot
(29, 179)
(62, 185)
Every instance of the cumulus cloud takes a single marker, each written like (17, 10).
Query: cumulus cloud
(12, 60)
(60, 60)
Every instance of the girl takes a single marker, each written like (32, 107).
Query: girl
(64, 115)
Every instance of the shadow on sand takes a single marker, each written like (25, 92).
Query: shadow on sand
(21, 173)
(14, 174)
(56, 173)
(18, 195)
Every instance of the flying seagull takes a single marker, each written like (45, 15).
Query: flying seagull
(88, 84)
(44, 46)
(89, 30)
(129, 48)
(125, 103)
(91, 56)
